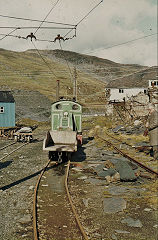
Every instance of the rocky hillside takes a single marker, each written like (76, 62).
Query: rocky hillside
(39, 70)
(138, 79)
(36, 71)
(99, 68)
(32, 71)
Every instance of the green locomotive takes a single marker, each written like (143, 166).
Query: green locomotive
(66, 129)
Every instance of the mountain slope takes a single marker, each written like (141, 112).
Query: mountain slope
(39, 70)
(99, 68)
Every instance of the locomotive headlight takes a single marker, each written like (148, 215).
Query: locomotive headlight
(65, 114)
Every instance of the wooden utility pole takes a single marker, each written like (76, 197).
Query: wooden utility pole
(75, 84)
(57, 90)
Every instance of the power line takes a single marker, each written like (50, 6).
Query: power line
(66, 62)
(46, 16)
(127, 75)
(44, 60)
(123, 43)
(9, 33)
(37, 39)
(85, 16)
(89, 12)
(36, 27)
(35, 20)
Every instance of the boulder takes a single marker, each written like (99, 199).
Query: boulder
(132, 222)
(125, 170)
(109, 172)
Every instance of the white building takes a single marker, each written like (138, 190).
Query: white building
(124, 88)
(120, 94)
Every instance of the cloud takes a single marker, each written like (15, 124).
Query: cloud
(144, 53)
(112, 22)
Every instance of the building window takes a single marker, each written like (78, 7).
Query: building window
(1, 109)
(154, 83)
(121, 91)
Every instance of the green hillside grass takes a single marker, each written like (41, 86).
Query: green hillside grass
(27, 70)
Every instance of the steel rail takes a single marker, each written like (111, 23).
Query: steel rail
(7, 145)
(35, 227)
(71, 203)
(13, 151)
(130, 158)
(123, 142)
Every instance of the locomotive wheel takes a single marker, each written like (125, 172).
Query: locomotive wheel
(53, 156)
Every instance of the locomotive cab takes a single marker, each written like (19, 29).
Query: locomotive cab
(66, 132)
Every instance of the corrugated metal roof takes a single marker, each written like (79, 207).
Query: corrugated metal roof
(6, 96)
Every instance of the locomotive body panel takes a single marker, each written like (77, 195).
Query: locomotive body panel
(66, 115)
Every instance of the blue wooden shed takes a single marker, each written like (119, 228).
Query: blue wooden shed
(7, 109)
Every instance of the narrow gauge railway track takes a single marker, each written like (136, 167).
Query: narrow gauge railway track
(16, 149)
(123, 142)
(7, 146)
(35, 215)
(127, 156)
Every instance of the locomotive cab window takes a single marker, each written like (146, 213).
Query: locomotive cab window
(58, 106)
(1, 109)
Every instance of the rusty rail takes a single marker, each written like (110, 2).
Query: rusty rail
(130, 158)
(13, 151)
(35, 227)
(8, 145)
(35, 224)
(136, 147)
(71, 203)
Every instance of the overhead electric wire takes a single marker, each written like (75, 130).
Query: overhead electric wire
(35, 20)
(130, 74)
(74, 28)
(84, 17)
(9, 33)
(37, 39)
(44, 59)
(66, 62)
(89, 12)
(124, 42)
(36, 27)
(47, 16)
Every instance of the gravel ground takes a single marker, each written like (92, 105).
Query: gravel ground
(18, 175)
(116, 210)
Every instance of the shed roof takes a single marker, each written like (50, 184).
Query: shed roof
(6, 96)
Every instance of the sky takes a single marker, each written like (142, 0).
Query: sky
(107, 31)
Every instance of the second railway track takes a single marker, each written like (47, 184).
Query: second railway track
(108, 139)
(11, 150)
